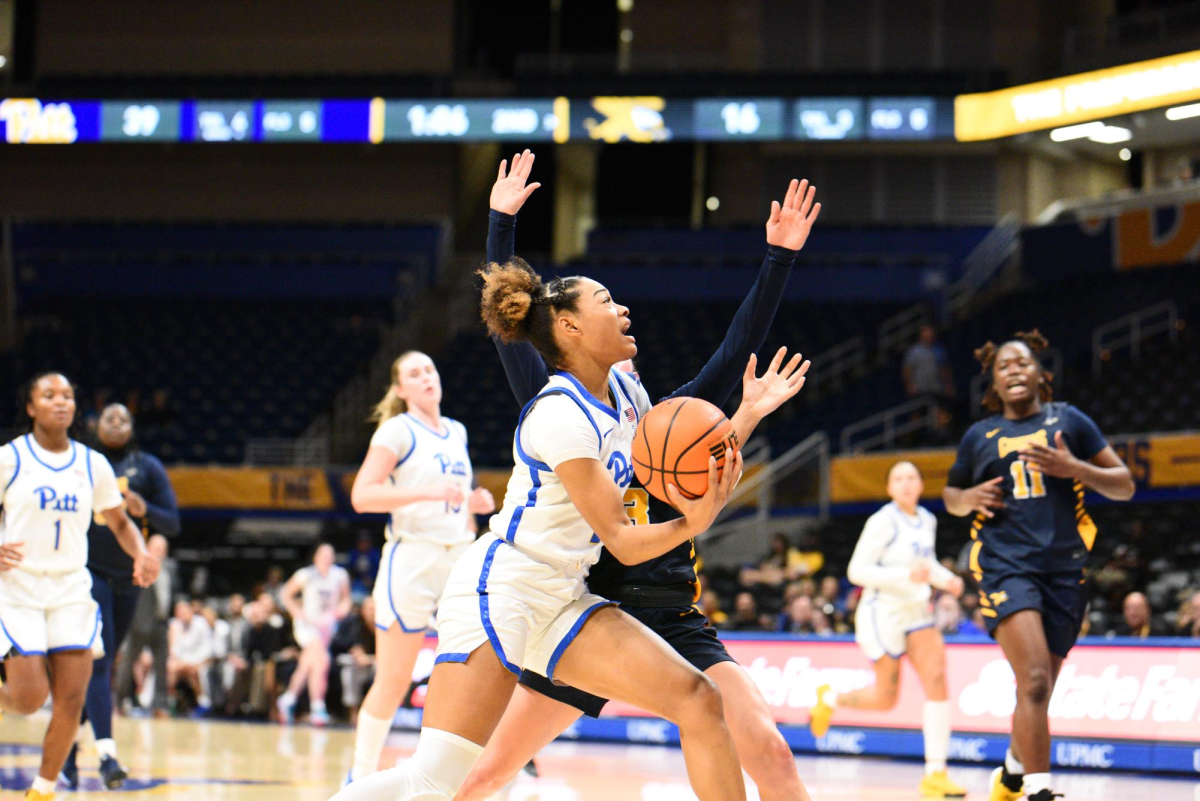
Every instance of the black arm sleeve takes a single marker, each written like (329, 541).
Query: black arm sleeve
(523, 365)
(746, 334)
(162, 511)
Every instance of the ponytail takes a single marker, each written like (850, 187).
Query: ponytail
(517, 305)
(390, 405)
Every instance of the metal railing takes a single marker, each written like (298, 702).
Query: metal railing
(989, 256)
(1116, 202)
(1051, 358)
(919, 414)
(831, 368)
(304, 452)
(761, 485)
(1130, 330)
(900, 330)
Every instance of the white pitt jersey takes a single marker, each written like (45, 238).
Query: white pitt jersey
(563, 422)
(425, 456)
(320, 596)
(49, 500)
(890, 543)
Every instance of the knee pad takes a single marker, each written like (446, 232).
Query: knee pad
(441, 764)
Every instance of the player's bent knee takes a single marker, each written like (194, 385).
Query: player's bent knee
(30, 699)
(701, 704)
(1034, 684)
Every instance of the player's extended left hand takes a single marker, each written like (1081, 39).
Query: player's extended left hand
(481, 502)
(509, 193)
(764, 394)
(790, 222)
(145, 569)
(1057, 462)
(955, 586)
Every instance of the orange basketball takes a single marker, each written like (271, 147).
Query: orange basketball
(673, 443)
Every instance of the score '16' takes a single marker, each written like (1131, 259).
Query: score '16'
(740, 118)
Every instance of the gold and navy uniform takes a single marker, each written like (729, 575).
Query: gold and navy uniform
(660, 593)
(1032, 553)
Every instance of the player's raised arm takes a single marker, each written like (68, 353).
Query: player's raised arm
(763, 395)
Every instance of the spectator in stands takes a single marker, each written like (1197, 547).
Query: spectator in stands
(1136, 619)
(363, 564)
(274, 585)
(149, 630)
(159, 413)
(254, 688)
(799, 617)
(949, 618)
(222, 637)
(353, 652)
(192, 650)
(746, 616)
(771, 570)
(1189, 617)
(927, 374)
(710, 606)
(807, 560)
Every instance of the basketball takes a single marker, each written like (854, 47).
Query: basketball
(673, 443)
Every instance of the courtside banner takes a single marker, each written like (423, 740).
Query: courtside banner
(252, 488)
(1110, 692)
(1119, 704)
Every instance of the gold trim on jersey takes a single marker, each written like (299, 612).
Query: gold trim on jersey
(1083, 521)
(1008, 445)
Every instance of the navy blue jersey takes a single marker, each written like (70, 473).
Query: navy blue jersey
(144, 474)
(1044, 527)
(527, 374)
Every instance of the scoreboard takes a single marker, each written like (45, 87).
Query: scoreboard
(606, 118)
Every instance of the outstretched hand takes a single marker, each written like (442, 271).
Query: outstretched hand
(510, 192)
(763, 395)
(789, 223)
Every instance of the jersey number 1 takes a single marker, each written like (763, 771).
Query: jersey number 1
(1021, 487)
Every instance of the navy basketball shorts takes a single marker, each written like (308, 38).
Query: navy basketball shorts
(1060, 597)
(684, 628)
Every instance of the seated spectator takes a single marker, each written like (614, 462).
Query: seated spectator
(745, 615)
(353, 650)
(798, 618)
(949, 619)
(191, 653)
(1136, 620)
(217, 690)
(807, 560)
(771, 570)
(710, 607)
(1188, 624)
(362, 564)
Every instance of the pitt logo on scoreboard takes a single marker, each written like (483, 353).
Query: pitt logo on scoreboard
(1009, 445)
(29, 122)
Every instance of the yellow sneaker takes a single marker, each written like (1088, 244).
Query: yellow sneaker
(33, 795)
(998, 791)
(939, 785)
(821, 714)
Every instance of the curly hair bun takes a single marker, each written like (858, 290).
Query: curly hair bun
(508, 294)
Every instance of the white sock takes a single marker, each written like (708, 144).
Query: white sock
(106, 748)
(318, 706)
(1012, 764)
(204, 701)
(1035, 783)
(936, 726)
(830, 699)
(368, 744)
(44, 786)
(434, 773)
(287, 699)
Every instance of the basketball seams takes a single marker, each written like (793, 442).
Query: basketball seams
(666, 442)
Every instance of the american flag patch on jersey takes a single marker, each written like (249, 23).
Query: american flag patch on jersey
(631, 415)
